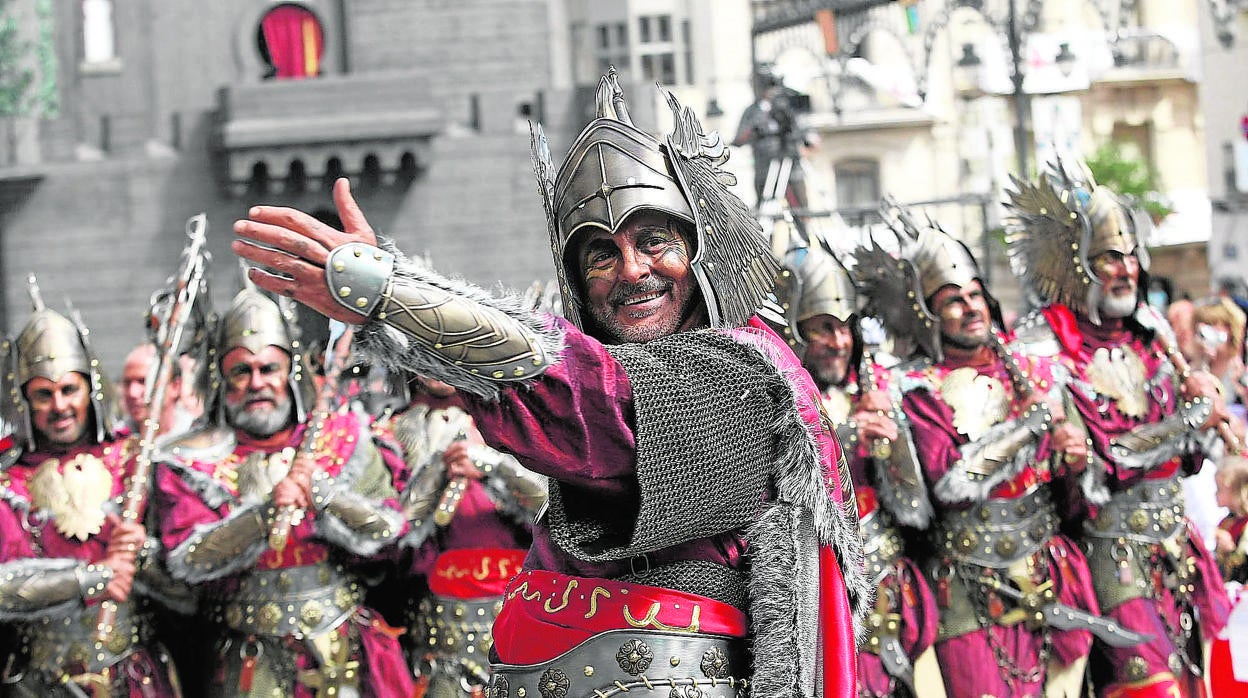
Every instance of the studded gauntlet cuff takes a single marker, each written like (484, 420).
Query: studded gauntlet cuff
(467, 338)
(223, 547)
(526, 489)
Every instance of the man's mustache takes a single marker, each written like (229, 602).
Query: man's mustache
(622, 292)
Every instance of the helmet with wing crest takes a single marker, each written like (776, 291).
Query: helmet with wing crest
(614, 170)
(1062, 222)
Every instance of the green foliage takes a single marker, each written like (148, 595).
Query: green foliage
(1129, 177)
(16, 75)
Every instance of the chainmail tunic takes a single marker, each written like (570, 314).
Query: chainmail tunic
(705, 406)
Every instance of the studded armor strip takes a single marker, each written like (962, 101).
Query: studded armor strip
(223, 547)
(32, 588)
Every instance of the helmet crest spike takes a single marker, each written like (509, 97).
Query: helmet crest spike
(32, 287)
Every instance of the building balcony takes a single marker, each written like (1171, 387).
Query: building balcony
(304, 133)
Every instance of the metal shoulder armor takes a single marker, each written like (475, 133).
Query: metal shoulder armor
(472, 341)
(223, 547)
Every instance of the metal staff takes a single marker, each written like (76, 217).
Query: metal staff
(189, 282)
(335, 359)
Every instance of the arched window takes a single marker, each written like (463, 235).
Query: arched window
(98, 41)
(291, 42)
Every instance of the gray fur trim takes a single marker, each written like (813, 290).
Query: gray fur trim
(333, 530)
(800, 482)
(177, 563)
(417, 535)
(391, 347)
(774, 601)
(211, 492)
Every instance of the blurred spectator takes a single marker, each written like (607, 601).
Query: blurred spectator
(1232, 533)
(1219, 326)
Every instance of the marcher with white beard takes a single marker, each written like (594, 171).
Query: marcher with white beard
(1078, 248)
(289, 615)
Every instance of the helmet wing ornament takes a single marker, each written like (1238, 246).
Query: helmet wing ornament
(544, 170)
(733, 259)
(1046, 239)
(890, 285)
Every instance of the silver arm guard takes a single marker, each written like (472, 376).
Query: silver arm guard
(223, 547)
(1149, 445)
(524, 491)
(31, 589)
(451, 330)
(995, 457)
(353, 514)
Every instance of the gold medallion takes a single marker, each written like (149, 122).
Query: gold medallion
(1118, 373)
(74, 493)
(978, 402)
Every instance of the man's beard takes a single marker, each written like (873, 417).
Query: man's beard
(260, 423)
(605, 317)
(828, 371)
(1117, 307)
(963, 340)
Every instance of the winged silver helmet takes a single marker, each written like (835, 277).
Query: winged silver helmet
(614, 169)
(1058, 225)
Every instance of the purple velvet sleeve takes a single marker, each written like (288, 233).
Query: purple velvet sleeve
(574, 424)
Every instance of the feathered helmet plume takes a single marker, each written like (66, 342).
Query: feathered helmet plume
(1058, 225)
(614, 169)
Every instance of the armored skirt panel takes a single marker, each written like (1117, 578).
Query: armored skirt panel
(1153, 574)
(295, 631)
(999, 564)
(65, 657)
(635, 662)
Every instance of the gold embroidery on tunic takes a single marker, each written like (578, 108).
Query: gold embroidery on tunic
(593, 601)
(651, 619)
(75, 494)
(1118, 373)
(978, 402)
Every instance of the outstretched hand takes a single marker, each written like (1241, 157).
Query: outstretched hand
(289, 247)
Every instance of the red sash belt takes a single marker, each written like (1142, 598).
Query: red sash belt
(475, 573)
(564, 611)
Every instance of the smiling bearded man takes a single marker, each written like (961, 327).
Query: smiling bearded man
(679, 434)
